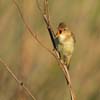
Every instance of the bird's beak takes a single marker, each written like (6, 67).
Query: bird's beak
(57, 34)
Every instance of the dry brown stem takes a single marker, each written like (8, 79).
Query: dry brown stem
(17, 80)
(63, 67)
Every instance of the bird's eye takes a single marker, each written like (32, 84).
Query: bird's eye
(60, 31)
(64, 29)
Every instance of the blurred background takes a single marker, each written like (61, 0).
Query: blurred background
(35, 66)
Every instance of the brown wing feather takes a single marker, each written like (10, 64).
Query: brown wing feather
(73, 37)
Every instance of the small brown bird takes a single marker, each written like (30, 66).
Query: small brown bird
(65, 41)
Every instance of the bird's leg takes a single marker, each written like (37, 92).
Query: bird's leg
(59, 55)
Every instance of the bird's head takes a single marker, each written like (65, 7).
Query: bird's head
(62, 28)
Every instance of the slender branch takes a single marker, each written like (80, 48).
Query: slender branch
(17, 80)
(63, 66)
(45, 14)
(66, 75)
(46, 18)
(46, 10)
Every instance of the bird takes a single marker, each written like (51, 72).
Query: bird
(65, 42)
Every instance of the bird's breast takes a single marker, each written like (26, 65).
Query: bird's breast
(67, 45)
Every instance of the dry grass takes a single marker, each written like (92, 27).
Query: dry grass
(30, 61)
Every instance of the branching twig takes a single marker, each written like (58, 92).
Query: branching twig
(30, 31)
(17, 80)
(45, 16)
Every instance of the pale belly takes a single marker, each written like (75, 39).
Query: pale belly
(67, 47)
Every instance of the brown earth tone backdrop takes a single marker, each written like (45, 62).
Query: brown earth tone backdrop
(34, 65)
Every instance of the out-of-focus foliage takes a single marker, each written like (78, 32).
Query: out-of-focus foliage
(38, 68)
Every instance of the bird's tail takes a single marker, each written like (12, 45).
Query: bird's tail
(67, 62)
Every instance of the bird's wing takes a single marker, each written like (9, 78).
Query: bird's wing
(73, 37)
